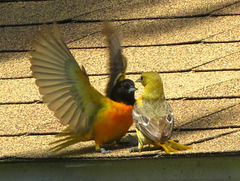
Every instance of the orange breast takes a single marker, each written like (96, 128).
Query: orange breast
(112, 122)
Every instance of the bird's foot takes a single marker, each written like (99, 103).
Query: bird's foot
(177, 146)
(102, 150)
(134, 149)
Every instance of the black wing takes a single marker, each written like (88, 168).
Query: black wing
(118, 62)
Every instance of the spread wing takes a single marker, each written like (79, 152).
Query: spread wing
(64, 85)
(117, 63)
(156, 128)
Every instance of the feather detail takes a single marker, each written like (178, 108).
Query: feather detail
(64, 85)
(153, 116)
(68, 93)
(117, 63)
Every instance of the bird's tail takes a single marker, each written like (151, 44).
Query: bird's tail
(171, 146)
(67, 139)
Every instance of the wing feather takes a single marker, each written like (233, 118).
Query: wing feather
(117, 63)
(46, 69)
(74, 119)
(38, 56)
(39, 62)
(156, 128)
(44, 75)
(49, 82)
(60, 101)
(47, 49)
(68, 115)
(64, 85)
(54, 87)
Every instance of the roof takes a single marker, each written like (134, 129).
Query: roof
(194, 46)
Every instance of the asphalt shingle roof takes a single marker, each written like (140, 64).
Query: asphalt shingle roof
(194, 46)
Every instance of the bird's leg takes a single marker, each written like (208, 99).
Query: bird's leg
(141, 139)
(140, 145)
(140, 142)
(138, 148)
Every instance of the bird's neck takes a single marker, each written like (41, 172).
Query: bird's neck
(128, 100)
(153, 92)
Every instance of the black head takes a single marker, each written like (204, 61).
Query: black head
(123, 91)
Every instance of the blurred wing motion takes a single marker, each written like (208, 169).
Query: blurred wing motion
(117, 63)
(67, 91)
(119, 88)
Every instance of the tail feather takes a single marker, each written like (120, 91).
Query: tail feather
(171, 146)
(63, 145)
(168, 149)
(68, 140)
(177, 146)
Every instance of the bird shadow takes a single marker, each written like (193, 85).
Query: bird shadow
(128, 141)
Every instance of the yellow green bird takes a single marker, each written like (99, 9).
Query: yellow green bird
(154, 117)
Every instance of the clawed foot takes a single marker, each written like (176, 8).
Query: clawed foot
(134, 149)
(102, 150)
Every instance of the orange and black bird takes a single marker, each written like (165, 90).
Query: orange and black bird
(67, 91)
(119, 88)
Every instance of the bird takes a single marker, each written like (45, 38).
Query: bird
(118, 88)
(67, 91)
(154, 117)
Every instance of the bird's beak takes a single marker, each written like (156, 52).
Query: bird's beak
(139, 80)
(132, 89)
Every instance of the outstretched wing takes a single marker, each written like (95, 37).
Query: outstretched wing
(64, 85)
(117, 63)
(157, 129)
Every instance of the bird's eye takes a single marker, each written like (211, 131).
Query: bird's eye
(126, 85)
(141, 78)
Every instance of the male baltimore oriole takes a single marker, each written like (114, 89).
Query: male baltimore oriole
(75, 102)
(153, 116)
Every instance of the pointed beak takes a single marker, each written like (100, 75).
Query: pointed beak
(132, 89)
(139, 80)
